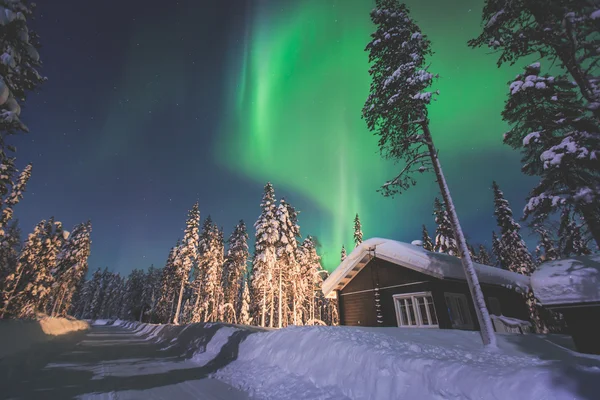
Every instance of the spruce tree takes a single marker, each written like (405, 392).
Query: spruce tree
(427, 243)
(571, 240)
(546, 250)
(245, 316)
(72, 267)
(512, 251)
(559, 142)
(444, 235)
(265, 257)
(187, 256)
(170, 285)
(514, 254)
(397, 111)
(558, 30)
(235, 267)
(358, 235)
(484, 256)
(287, 272)
(343, 254)
(10, 247)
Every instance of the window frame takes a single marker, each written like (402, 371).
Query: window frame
(416, 311)
(460, 297)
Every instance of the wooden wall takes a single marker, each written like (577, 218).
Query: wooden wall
(357, 299)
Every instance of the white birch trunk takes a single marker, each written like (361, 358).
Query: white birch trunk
(483, 317)
(176, 318)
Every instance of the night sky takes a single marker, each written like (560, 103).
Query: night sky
(150, 106)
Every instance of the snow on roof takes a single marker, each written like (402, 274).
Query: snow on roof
(438, 265)
(568, 281)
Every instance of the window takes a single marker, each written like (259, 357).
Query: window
(494, 306)
(415, 310)
(458, 310)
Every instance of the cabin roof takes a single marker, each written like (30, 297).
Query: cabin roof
(441, 266)
(568, 281)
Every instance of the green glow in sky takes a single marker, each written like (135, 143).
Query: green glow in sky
(294, 117)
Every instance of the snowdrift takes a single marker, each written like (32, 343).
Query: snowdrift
(303, 363)
(392, 363)
(17, 335)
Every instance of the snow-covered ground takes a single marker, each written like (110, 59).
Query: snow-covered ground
(211, 361)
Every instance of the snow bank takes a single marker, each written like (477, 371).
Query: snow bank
(568, 281)
(390, 363)
(17, 335)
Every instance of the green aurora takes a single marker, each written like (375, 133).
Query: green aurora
(297, 89)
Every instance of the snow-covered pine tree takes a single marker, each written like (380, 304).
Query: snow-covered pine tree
(484, 256)
(20, 277)
(427, 243)
(498, 251)
(20, 62)
(571, 240)
(152, 290)
(169, 288)
(287, 272)
(559, 141)
(235, 269)
(40, 262)
(10, 247)
(559, 30)
(12, 186)
(396, 109)
(444, 234)
(546, 250)
(358, 235)
(207, 283)
(187, 256)
(134, 303)
(245, 316)
(72, 267)
(93, 288)
(200, 274)
(514, 254)
(343, 254)
(296, 293)
(263, 262)
(512, 250)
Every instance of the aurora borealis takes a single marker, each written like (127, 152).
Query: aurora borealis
(300, 87)
(165, 105)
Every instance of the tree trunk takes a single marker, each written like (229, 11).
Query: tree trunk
(272, 307)
(280, 301)
(176, 318)
(485, 323)
(264, 307)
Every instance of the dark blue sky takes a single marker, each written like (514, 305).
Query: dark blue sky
(123, 131)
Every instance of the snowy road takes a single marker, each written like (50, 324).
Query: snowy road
(109, 363)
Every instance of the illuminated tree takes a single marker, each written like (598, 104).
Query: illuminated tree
(265, 255)
(396, 110)
(187, 256)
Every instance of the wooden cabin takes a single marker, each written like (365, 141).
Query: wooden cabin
(389, 283)
(572, 287)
